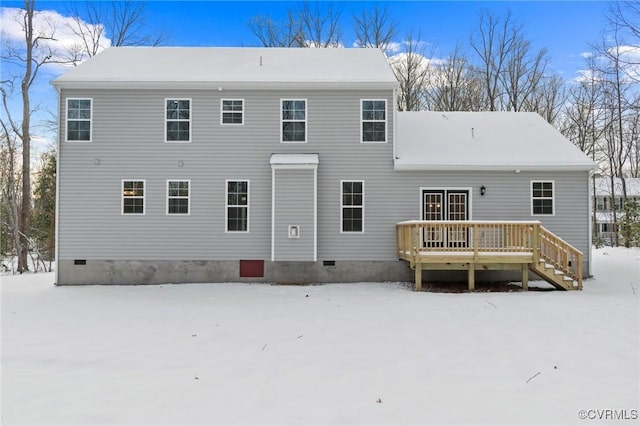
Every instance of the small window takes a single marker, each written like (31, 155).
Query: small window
(79, 120)
(178, 197)
(542, 198)
(374, 120)
(294, 120)
(133, 197)
(237, 206)
(232, 111)
(178, 120)
(352, 206)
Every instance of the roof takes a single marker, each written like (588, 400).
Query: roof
(427, 140)
(227, 67)
(603, 186)
(294, 159)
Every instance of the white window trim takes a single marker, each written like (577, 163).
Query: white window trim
(342, 206)
(306, 120)
(362, 120)
(166, 120)
(553, 196)
(226, 206)
(188, 197)
(144, 197)
(66, 112)
(222, 111)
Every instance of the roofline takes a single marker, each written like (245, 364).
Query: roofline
(222, 85)
(516, 168)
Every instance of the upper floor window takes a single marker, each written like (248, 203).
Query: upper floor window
(237, 206)
(542, 198)
(294, 120)
(178, 120)
(79, 120)
(133, 197)
(232, 111)
(374, 120)
(352, 206)
(178, 197)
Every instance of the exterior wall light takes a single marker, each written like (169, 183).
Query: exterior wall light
(483, 190)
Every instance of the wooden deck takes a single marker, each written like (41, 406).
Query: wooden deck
(489, 245)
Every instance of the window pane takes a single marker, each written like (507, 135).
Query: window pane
(178, 206)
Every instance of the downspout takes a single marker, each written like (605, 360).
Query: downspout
(591, 176)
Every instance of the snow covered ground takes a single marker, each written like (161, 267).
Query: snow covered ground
(330, 354)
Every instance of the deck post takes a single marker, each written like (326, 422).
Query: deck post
(525, 277)
(418, 276)
(472, 276)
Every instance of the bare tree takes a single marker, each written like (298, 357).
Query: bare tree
(625, 16)
(375, 28)
(310, 25)
(548, 98)
(492, 42)
(11, 189)
(454, 85)
(273, 34)
(411, 68)
(124, 22)
(30, 56)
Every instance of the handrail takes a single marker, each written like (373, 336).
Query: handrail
(417, 237)
(562, 255)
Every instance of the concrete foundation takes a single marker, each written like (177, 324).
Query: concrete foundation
(136, 272)
(139, 272)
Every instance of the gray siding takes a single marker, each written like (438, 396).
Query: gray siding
(294, 205)
(128, 141)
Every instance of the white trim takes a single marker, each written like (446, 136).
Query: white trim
(306, 120)
(227, 85)
(553, 197)
(188, 197)
(226, 206)
(342, 231)
(295, 166)
(90, 120)
(489, 167)
(144, 197)
(589, 220)
(273, 214)
(386, 122)
(57, 207)
(166, 120)
(446, 189)
(315, 215)
(222, 111)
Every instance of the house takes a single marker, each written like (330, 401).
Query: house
(293, 166)
(605, 204)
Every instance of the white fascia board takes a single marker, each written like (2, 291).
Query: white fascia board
(224, 85)
(489, 167)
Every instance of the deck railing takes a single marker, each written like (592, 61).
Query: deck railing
(420, 239)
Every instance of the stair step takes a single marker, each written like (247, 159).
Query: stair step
(567, 278)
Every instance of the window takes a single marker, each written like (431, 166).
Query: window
(237, 206)
(133, 197)
(178, 197)
(79, 120)
(352, 206)
(374, 120)
(232, 111)
(178, 120)
(294, 120)
(542, 198)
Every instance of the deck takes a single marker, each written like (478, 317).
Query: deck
(489, 245)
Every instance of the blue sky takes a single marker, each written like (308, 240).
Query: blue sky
(564, 28)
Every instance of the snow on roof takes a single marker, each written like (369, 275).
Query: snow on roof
(603, 186)
(427, 140)
(231, 65)
(294, 159)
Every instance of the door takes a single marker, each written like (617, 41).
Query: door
(450, 205)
